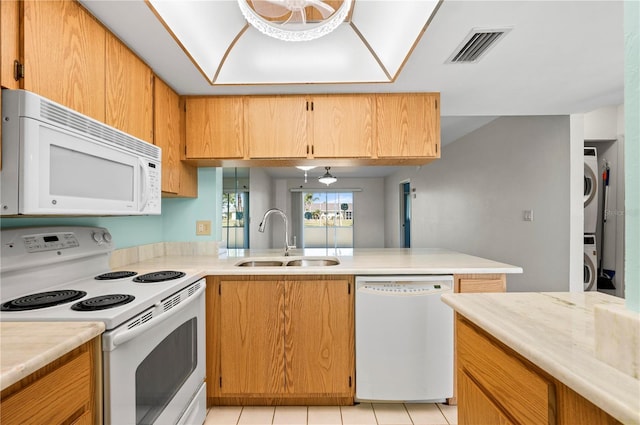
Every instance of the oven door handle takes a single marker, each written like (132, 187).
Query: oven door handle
(121, 338)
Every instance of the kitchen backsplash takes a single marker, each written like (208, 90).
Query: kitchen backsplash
(122, 257)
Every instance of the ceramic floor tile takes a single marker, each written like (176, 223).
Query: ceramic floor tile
(290, 415)
(425, 414)
(449, 412)
(391, 414)
(223, 415)
(256, 415)
(359, 414)
(324, 415)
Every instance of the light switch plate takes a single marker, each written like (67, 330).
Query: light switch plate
(203, 227)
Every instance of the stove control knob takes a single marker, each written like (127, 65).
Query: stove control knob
(107, 237)
(97, 237)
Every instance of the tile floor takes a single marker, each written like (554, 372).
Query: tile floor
(359, 414)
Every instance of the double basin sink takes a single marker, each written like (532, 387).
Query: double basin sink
(289, 262)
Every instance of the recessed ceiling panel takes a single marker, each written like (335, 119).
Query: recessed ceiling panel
(205, 29)
(335, 58)
(392, 27)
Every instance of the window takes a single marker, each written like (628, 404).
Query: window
(327, 219)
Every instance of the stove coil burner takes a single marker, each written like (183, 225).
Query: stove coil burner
(160, 276)
(42, 300)
(115, 275)
(102, 302)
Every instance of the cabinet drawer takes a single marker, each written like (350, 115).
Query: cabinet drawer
(482, 285)
(522, 394)
(56, 396)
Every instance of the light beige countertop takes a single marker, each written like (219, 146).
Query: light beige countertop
(27, 346)
(385, 261)
(556, 332)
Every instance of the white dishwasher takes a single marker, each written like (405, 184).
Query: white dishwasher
(404, 338)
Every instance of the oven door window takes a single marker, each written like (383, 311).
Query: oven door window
(163, 372)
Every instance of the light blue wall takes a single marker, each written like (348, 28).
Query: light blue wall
(177, 222)
(632, 152)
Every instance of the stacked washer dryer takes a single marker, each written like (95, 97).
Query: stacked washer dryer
(591, 188)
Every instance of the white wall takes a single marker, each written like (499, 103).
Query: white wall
(472, 199)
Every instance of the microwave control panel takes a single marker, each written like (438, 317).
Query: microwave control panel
(155, 189)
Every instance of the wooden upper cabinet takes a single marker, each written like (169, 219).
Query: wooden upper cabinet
(166, 126)
(214, 127)
(408, 125)
(342, 126)
(64, 55)
(276, 126)
(9, 42)
(129, 91)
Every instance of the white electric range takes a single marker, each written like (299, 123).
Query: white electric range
(152, 318)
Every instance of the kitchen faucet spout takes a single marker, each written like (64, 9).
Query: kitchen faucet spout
(263, 225)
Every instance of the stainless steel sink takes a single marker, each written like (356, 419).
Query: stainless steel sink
(289, 261)
(260, 263)
(313, 262)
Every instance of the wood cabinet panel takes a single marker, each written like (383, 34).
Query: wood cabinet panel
(318, 341)
(475, 283)
(477, 408)
(9, 42)
(64, 55)
(62, 392)
(251, 329)
(408, 125)
(280, 340)
(528, 397)
(129, 91)
(342, 126)
(214, 127)
(166, 105)
(276, 126)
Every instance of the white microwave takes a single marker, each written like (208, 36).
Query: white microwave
(56, 161)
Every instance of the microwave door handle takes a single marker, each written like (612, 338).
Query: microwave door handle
(122, 337)
(144, 172)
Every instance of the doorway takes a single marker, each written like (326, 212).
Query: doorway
(405, 215)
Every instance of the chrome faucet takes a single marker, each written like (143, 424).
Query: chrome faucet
(263, 225)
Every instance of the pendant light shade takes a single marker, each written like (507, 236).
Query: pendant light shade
(327, 178)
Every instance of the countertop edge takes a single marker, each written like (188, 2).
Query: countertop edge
(13, 373)
(615, 406)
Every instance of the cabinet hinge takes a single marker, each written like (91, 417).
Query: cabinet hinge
(18, 70)
(349, 382)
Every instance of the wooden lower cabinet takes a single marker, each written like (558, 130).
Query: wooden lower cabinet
(67, 391)
(280, 340)
(498, 386)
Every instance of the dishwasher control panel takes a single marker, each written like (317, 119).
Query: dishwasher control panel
(405, 285)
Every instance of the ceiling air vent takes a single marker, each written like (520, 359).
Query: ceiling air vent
(476, 44)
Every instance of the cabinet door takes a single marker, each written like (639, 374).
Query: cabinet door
(342, 126)
(129, 91)
(64, 55)
(319, 337)
(214, 127)
(408, 125)
(9, 42)
(251, 337)
(166, 127)
(276, 126)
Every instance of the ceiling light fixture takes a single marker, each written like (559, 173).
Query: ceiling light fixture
(327, 178)
(261, 14)
(305, 168)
